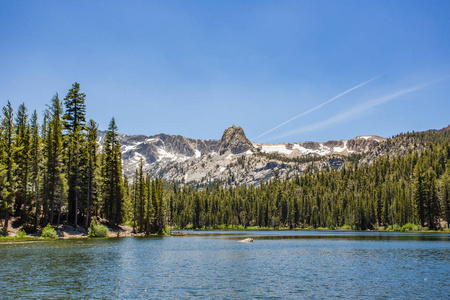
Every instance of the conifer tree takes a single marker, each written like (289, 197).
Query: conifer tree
(35, 161)
(22, 158)
(149, 210)
(444, 195)
(419, 193)
(92, 168)
(74, 121)
(9, 187)
(112, 172)
(55, 185)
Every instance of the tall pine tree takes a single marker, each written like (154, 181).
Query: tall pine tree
(74, 121)
(112, 176)
(54, 189)
(22, 159)
(9, 188)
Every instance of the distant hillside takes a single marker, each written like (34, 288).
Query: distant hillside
(235, 160)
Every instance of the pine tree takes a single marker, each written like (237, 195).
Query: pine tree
(92, 168)
(22, 159)
(74, 121)
(55, 185)
(444, 195)
(149, 209)
(35, 161)
(419, 193)
(112, 172)
(9, 188)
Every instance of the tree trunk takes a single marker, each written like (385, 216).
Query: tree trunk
(88, 209)
(134, 223)
(76, 187)
(36, 204)
(6, 218)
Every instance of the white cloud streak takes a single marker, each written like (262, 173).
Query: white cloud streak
(352, 112)
(317, 107)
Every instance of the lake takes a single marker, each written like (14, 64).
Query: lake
(213, 265)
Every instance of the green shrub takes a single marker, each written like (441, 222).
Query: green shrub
(253, 228)
(410, 227)
(310, 227)
(129, 223)
(346, 227)
(21, 233)
(96, 230)
(48, 231)
(166, 229)
(394, 227)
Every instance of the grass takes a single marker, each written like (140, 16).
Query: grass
(18, 239)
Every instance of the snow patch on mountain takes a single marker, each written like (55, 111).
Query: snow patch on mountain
(340, 149)
(281, 148)
(233, 159)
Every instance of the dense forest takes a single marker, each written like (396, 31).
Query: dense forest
(392, 191)
(58, 171)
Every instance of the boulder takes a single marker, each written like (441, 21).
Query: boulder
(247, 240)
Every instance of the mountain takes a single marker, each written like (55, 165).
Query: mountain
(233, 159)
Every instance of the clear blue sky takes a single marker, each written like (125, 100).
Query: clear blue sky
(196, 67)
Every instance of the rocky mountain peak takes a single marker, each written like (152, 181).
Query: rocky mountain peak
(234, 140)
(444, 129)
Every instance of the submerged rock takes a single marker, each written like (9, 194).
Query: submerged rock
(247, 240)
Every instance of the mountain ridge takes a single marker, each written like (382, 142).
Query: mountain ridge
(233, 159)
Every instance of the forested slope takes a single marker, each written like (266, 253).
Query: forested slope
(399, 187)
(54, 171)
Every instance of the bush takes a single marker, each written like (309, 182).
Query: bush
(96, 230)
(394, 227)
(21, 233)
(49, 232)
(129, 223)
(310, 227)
(346, 227)
(410, 227)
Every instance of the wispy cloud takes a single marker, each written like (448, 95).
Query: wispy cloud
(317, 107)
(352, 112)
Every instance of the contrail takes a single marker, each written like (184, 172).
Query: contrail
(318, 106)
(354, 111)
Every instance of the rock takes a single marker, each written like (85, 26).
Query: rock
(247, 240)
(234, 140)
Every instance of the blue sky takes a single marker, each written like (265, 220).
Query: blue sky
(195, 68)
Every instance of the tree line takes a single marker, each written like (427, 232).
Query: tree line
(61, 170)
(53, 171)
(391, 191)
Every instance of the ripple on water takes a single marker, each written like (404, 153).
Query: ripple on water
(277, 265)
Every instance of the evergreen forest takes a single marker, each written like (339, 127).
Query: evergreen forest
(57, 170)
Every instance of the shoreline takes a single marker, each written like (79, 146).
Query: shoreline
(113, 234)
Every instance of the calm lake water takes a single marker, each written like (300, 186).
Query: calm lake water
(213, 265)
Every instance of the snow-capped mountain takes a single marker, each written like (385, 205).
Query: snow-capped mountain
(233, 159)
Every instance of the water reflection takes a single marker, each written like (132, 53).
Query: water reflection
(324, 234)
(213, 265)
